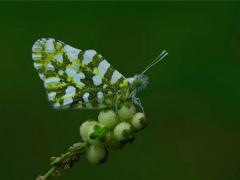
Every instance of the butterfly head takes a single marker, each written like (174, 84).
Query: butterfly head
(138, 82)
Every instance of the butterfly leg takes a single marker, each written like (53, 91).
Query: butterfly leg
(137, 101)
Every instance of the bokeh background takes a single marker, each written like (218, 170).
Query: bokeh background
(192, 100)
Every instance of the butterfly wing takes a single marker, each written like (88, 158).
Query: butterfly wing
(74, 78)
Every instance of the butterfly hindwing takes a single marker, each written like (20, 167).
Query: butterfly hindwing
(74, 78)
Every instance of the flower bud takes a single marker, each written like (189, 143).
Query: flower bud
(112, 143)
(139, 121)
(122, 131)
(126, 111)
(96, 154)
(98, 134)
(108, 118)
(84, 128)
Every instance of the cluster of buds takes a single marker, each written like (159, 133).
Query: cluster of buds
(112, 131)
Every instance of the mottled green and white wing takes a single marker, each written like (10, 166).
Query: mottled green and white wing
(74, 78)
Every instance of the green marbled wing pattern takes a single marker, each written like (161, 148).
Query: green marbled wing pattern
(74, 78)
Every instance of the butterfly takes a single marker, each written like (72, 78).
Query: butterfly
(80, 79)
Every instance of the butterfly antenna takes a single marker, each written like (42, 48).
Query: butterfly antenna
(160, 57)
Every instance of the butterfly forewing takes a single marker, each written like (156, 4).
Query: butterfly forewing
(74, 78)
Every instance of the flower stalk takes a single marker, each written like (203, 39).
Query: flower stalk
(64, 161)
(111, 131)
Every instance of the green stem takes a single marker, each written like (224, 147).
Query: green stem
(50, 171)
(65, 160)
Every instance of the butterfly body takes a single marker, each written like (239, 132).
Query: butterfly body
(75, 78)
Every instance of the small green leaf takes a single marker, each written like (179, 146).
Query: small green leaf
(97, 128)
(94, 135)
(105, 130)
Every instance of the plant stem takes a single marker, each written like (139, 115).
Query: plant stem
(50, 171)
(66, 160)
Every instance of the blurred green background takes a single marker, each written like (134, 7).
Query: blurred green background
(192, 100)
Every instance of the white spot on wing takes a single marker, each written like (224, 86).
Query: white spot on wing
(100, 96)
(50, 67)
(59, 58)
(37, 65)
(81, 75)
(97, 80)
(56, 105)
(36, 47)
(77, 77)
(51, 96)
(131, 79)
(75, 65)
(115, 77)
(41, 76)
(36, 56)
(49, 47)
(103, 67)
(86, 96)
(51, 80)
(88, 55)
(70, 71)
(68, 48)
(74, 54)
(71, 52)
(67, 101)
(70, 91)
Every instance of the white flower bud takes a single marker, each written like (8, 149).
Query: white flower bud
(127, 111)
(139, 121)
(84, 128)
(96, 154)
(108, 118)
(98, 134)
(122, 131)
(112, 143)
